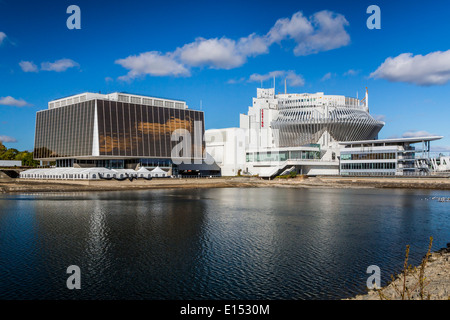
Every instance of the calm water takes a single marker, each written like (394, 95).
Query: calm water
(262, 243)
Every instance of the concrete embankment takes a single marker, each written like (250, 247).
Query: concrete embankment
(23, 185)
(436, 282)
(428, 182)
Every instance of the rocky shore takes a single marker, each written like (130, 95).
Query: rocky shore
(436, 281)
(22, 185)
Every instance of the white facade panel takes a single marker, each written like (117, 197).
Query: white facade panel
(10, 163)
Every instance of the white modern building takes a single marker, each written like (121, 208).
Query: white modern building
(312, 134)
(228, 149)
(387, 156)
(286, 132)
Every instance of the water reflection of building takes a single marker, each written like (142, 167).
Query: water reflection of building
(116, 130)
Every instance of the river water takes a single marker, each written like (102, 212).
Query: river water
(224, 243)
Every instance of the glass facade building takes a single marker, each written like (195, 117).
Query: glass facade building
(65, 132)
(102, 129)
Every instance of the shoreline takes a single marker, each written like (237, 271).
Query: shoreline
(26, 186)
(436, 281)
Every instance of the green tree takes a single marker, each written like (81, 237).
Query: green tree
(9, 154)
(2, 148)
(27, 159)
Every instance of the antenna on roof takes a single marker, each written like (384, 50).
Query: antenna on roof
(285, 89)
(273, 84)
(367, 98)
(200, 104)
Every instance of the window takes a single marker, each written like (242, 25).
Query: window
(136, 100)
(123, 98)
(168, 104)
(158, 103)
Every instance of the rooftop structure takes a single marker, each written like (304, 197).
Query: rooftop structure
(119, 97)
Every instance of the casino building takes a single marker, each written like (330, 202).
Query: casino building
(313, 134)
(117, 131)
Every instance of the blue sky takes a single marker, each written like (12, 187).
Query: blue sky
(215, 53)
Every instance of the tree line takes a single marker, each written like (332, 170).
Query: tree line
(13, 154)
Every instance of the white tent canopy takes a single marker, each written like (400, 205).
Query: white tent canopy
(158, 172)
(91, 173)
(68, 173)
(144, 173)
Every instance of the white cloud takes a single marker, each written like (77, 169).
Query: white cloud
(234, 81)
(153, 63)
(327, 76)
(28, 66)
(7, 139)
(323, 31)
(431, 69)
(293, 79)
(59, 65)
(379, 117)
(109, 79)
(267, 76)
(10, 101)
(215, 53)
(2, 37)
(253, 45)
(414, 134)
(351, 72)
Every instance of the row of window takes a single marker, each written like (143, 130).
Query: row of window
(369, 166)
(65, 131)
(123, 130)
(145, 131)
(282, 156)
(148, 101)
(368, 156)
(369, 173)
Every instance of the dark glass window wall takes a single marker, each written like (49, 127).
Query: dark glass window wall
(65, 132)
(124, 130)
